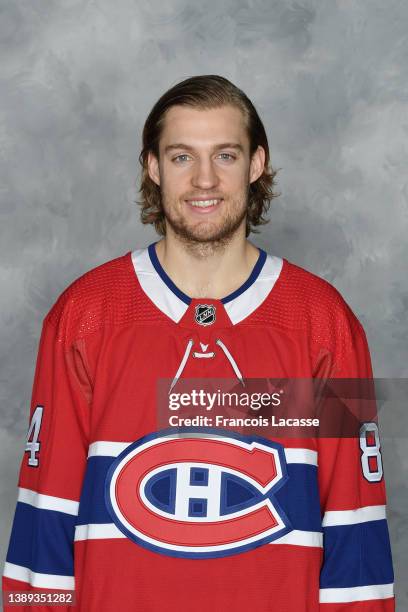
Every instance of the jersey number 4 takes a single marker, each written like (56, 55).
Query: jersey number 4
(32, 443)
(371, 460)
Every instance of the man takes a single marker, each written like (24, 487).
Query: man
(135, 517)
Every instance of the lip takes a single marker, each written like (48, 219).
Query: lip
(203, 211)
(203, 198)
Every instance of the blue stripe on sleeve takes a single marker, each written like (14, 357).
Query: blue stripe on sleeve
(42, 540)
(356, 555)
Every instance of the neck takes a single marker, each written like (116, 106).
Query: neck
(205, 269)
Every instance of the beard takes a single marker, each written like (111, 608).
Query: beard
(206, 236)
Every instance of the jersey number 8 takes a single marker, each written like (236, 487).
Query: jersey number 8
(371, 460)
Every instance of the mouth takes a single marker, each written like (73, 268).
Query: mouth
(203, 206)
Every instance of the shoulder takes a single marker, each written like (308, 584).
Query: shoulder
(108, 294)
(312, 295)
(303, 301)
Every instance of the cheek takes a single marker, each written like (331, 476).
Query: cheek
(177, 184)
(237, 176)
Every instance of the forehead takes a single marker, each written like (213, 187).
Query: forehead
(201, 128)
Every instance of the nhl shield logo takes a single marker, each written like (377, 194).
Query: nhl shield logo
(205, 314)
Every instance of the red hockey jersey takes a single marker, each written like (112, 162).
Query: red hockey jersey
(135, 517)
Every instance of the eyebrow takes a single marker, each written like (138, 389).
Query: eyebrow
(223, 145)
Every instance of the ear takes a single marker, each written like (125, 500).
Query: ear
(153, 168)
(257, 164)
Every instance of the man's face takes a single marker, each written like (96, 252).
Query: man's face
(204, 171)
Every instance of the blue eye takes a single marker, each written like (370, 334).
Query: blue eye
(178, 157)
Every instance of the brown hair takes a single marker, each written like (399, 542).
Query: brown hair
(205, 92)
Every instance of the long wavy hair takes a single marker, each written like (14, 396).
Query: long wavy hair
(205, 92)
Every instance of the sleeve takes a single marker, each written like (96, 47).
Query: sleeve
(357, 573)
(40, 552)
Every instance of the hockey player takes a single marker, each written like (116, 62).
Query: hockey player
(126, 514)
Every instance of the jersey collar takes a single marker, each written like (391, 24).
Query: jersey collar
(159, 287)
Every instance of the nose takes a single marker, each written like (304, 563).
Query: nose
(204, 175)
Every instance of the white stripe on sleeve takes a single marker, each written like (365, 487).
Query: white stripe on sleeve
(333, 518)
(47, 502)
(361, 593)
(41, 581)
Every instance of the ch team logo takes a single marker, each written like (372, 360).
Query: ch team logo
(205, 314)
(198, 493)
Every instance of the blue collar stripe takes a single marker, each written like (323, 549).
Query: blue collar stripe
(251, 278)
(165, 278)
(185, 298)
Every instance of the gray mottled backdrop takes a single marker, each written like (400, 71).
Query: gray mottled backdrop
(329, 79)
